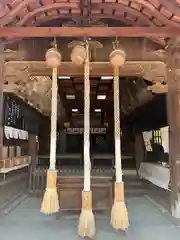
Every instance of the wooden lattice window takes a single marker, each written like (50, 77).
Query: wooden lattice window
(157, 138)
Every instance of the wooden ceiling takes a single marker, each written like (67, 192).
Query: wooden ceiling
(133, 93)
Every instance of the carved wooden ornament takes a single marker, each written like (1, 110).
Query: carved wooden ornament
(158, 88)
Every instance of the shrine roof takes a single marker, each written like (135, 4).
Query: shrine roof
(129, 12)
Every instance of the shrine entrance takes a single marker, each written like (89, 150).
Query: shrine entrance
(89, 115)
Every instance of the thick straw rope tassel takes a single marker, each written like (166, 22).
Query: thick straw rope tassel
(50, 203)
(119, 214)
(86, 224)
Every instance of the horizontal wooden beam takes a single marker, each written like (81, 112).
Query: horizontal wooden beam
(148, 69)
(22, 32)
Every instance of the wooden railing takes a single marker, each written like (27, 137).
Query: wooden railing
(70, 185)
(37, 181)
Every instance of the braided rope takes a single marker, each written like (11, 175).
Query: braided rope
(53, 120)
(117, 132)
(87, 162)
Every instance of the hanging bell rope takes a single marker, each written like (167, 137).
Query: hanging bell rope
(119, 214)
(117, 132)
(86, 225)
(50, 203)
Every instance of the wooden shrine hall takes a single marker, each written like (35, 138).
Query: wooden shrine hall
(89, 89)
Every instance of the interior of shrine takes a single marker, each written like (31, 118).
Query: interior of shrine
(89, 106)
(27, 105)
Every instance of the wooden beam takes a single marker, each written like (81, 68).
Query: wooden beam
(150, 69)
(172, 6)
(22, 32)
(32, 149)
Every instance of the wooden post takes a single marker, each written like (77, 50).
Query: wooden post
(44, 136)
(32, 149)
(173, 108)
(139, 150)
(1, 95)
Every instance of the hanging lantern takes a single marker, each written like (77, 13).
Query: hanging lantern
(117, 57)
(53, 58)
(78, 55)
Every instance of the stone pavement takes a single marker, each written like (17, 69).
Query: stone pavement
(148, 215)
(25, 222)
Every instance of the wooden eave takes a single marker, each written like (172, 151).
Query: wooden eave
(136, 13)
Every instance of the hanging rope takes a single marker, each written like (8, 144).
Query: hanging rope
(53, 120)
(50, 203)
(86, 225)
(87, 162)
(117, 131)
(119, 214)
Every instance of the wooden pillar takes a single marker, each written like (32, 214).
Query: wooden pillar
(139, 150)
(1, 95)
(33, 149)
(173, 108)
(44, 137)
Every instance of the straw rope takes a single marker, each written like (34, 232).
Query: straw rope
(117, 134)
(87, 162)
(53, 120)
